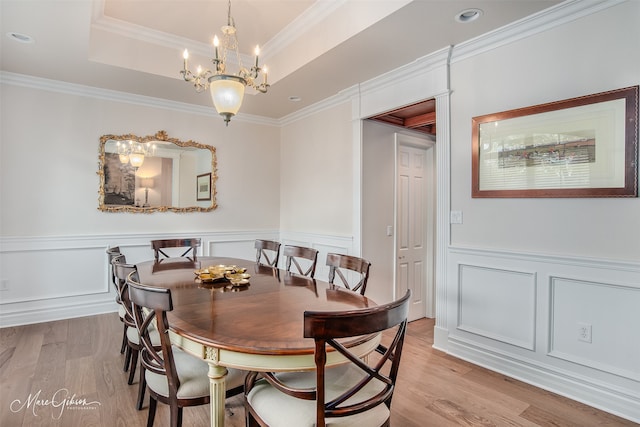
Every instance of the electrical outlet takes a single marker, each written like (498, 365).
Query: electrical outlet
(4, 285)
(584, 332)
(456, 217)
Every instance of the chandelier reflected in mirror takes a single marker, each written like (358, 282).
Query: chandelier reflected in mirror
(134, 152)
(227, 90)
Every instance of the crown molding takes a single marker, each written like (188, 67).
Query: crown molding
(319, 106)
(33, 82)
(557, 15)
(311, 17)
(317, 12)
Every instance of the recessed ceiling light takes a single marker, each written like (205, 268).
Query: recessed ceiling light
(19, 37)
(468, 15)
(295, 99)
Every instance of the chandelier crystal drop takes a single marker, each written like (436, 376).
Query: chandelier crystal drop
(227, 90)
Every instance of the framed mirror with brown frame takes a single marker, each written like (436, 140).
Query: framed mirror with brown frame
(154, 173)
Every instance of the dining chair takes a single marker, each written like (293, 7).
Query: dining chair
(339, 262)
(114, 252)
(189, 245)
(355, 393)
(293, 256)
(173, 377)
(123, 271)
(269, 250)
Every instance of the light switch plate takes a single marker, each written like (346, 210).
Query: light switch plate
(456, 217)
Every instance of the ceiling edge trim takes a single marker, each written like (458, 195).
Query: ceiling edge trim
(33, 82)
(327, 103)
(309, 18)
(536, 23)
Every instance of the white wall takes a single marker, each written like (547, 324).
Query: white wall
(50, 164)
(570, 61)
(523, 274)
(378, 177)
(316, 185)
(53, 237)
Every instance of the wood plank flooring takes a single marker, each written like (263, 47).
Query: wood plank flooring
(82, 357)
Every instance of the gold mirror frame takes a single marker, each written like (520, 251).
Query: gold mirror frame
(160, 136)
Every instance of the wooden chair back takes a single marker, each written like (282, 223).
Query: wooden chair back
(122, 270)
(157, 302)
(111, 254)
(190, 245)
(267, 252)
(339, 262)
(293, 255)
(328, 330)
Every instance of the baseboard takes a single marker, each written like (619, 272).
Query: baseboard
(568, 384)
(440, 339)
(51, 314)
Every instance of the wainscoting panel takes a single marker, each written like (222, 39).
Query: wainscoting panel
(498, 304)
(51, 278)
(53, 273)
(525, 315)
(584, 333)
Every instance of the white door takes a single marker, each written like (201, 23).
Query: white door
(414, 266)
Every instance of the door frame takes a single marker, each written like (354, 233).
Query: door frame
(420, 142)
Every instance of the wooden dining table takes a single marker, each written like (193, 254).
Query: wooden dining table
(254, 327)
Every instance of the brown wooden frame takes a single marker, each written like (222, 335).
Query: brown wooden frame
(630, 161)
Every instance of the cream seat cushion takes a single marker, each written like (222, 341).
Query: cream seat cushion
(281, 410)
(193, 376)
(134, 337)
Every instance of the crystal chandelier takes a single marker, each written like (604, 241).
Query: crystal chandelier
(134, 152)
(227, 90)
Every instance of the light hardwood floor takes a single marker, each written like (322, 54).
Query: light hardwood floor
(82, 356)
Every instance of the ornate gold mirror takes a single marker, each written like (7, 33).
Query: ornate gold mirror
(155, 173)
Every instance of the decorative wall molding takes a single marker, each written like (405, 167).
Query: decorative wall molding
(564, 292)
(595, 352)
(570, 260)
(85, 289)
(477, 287)
(58, 86)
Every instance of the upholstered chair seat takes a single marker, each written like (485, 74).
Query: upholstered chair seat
(192, 373)
(134, 337)
(278, 409)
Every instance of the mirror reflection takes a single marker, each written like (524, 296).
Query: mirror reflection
(155, 173)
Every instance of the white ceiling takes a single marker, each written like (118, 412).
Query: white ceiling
(313, 49)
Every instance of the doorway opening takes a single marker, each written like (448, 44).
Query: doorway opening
(383, 233)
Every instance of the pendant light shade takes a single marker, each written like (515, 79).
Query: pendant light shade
(227, 92)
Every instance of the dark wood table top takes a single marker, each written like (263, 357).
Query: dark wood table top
(264, 317)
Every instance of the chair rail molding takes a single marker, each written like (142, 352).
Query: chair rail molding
(50, 293)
